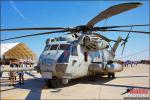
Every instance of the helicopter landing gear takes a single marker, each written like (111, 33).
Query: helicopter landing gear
(65, 81)
(111, 75)
(48, 83)
(54, 82)
(57, 82)
(51, 83)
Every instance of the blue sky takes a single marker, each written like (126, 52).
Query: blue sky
(15, 14)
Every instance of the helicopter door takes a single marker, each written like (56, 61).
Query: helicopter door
(73, 60)
(74, 55)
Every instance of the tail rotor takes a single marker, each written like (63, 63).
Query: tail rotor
(125, 41)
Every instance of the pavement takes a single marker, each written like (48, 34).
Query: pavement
(134, 78)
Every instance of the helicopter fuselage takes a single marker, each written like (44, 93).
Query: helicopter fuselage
(69, 60)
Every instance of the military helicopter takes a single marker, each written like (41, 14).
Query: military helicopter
(71, 55)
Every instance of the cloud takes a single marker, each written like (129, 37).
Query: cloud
(21, 14)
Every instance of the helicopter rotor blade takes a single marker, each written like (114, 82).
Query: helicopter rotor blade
(44, 28)
(109, 27)
(126, 31)
(30, 35)
(114, 10)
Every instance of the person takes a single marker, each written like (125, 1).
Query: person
(131, 63)
(21, 76)
(126, 63)
(13, 65)
(1, 73)
(12, 78)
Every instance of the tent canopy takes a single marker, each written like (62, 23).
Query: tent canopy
(17, 51)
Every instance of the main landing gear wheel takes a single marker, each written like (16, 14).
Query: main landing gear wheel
(111, 75)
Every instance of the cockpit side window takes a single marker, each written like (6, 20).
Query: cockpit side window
(53, 47)
(47, 47)
(74, 51)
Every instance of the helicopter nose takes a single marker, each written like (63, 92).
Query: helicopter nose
(48, 61)
(47, 65)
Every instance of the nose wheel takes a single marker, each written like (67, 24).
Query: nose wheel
(53, 83)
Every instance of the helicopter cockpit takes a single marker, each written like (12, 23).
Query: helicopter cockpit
(57, 47)
(63, 50)
(56, 54)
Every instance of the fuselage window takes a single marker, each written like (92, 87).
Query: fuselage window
(53, 47)
(64, 46)
(74, 51)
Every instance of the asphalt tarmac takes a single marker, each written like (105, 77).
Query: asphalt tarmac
(131, 78)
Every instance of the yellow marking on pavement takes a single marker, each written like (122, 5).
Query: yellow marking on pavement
(15, 96)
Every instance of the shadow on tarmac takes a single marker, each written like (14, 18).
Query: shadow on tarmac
(35, 85)
(103, 81)
(130, 76)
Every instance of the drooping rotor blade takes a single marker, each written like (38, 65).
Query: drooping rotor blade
(126, 31)
(114, 10)
(44, 28)
(44, 33)
(109, 27)
(103, 37)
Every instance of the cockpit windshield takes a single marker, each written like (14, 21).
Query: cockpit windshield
(57, 47)
(54, 47)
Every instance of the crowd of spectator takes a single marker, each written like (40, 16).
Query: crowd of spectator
(134, 63)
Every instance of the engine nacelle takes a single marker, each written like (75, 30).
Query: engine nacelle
(96, 68)
(114, 67)
(109, 68)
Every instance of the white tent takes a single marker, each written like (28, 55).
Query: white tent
(16, 51)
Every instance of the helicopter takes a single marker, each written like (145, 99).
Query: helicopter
(71, 56)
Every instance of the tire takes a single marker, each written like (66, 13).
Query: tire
(109, 75)
(48, 83)
(113, 75)
(56, 82)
